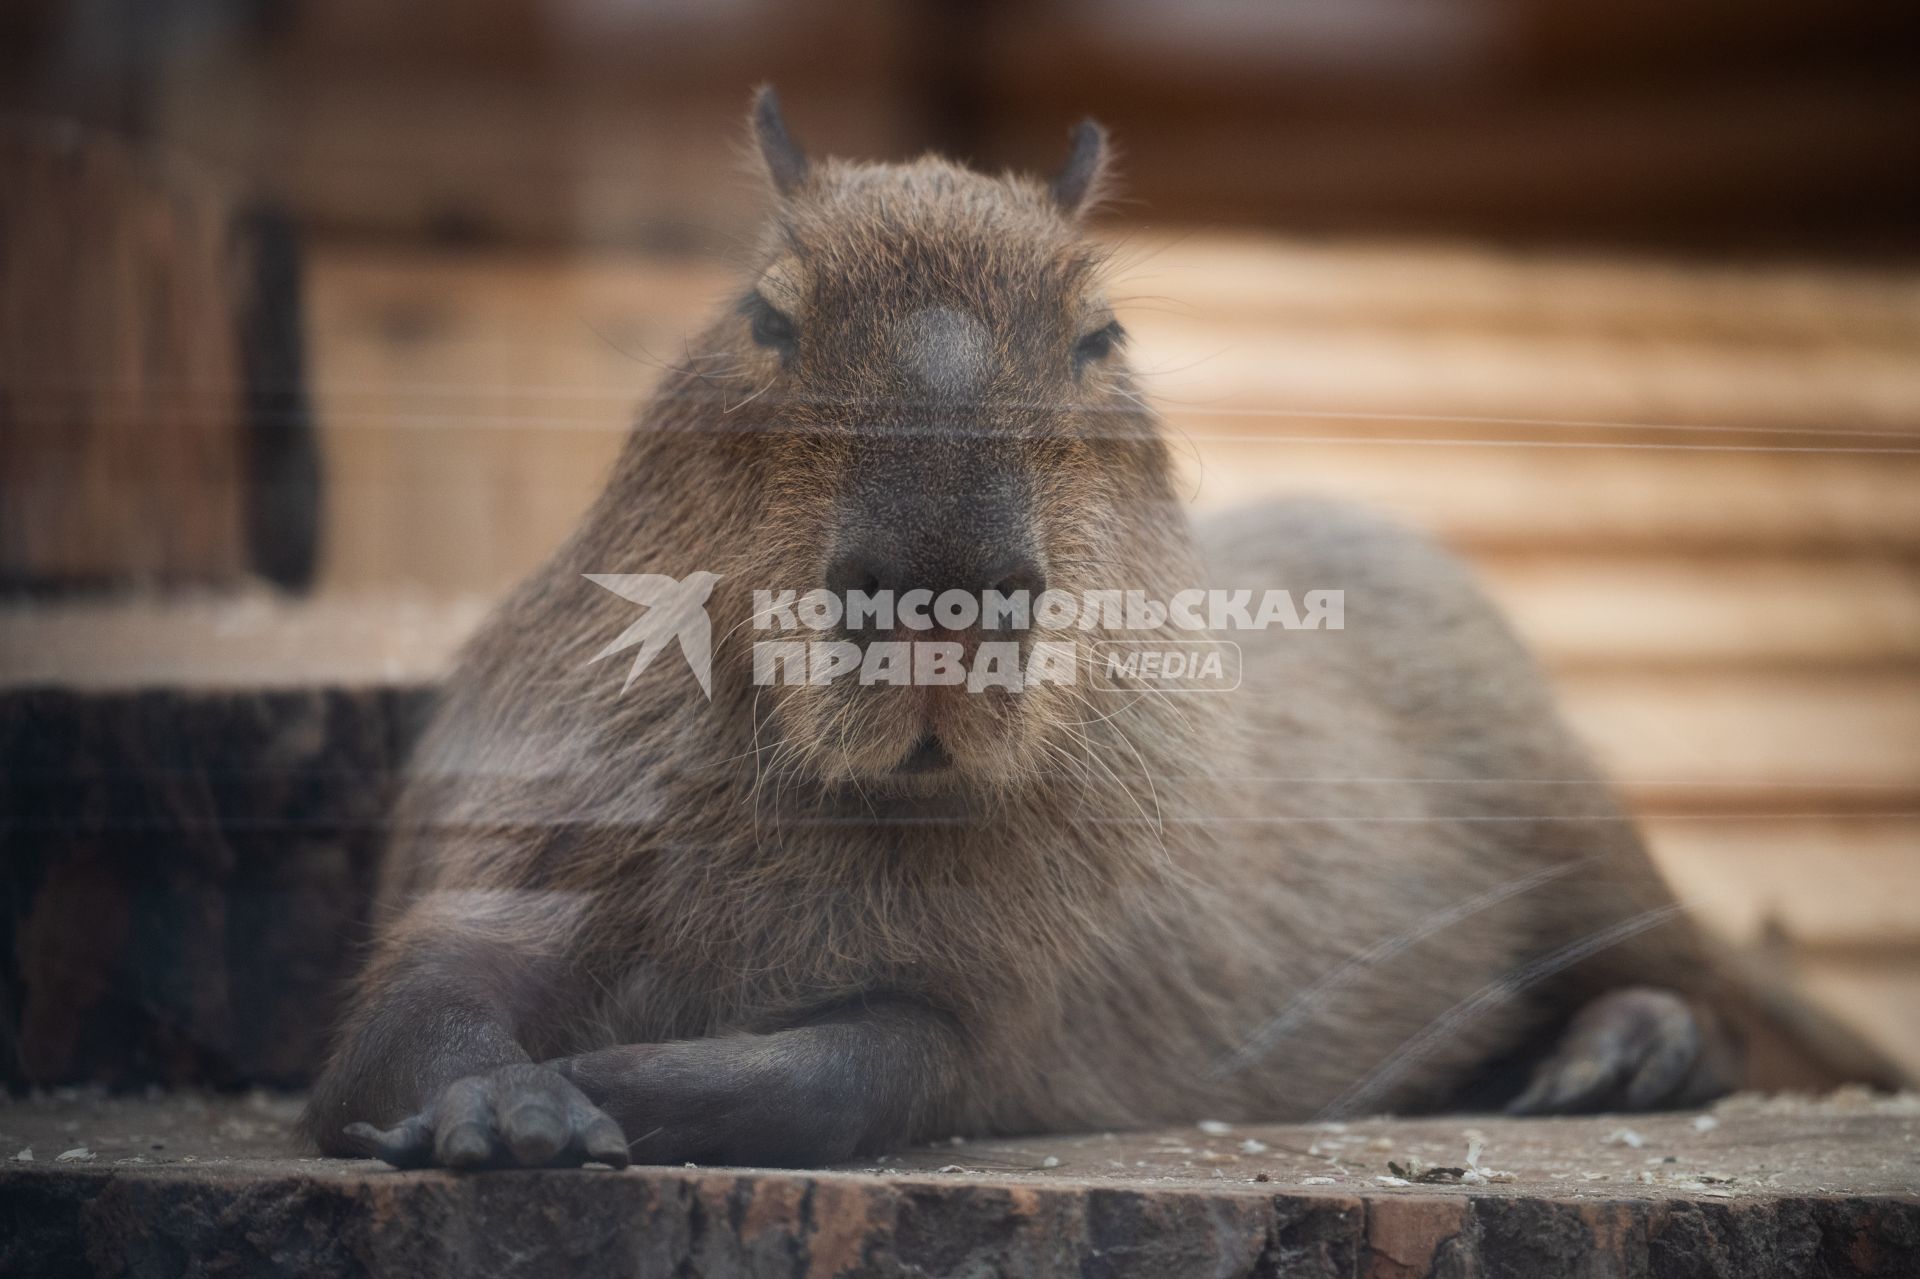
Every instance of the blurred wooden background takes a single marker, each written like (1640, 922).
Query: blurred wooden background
(1714, 125)
(1621, 302)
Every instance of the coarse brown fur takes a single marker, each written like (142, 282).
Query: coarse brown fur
(1367, 878)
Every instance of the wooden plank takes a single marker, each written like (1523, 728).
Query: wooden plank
(1752, 741)
(1254, 376)
(1426, 287)
(1514, 497)
(1833, 881)
(1655, 611)
(1873, 991)
(238, 641)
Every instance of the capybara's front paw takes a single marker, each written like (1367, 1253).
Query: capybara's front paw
(515, 1117)
(1638, 1048)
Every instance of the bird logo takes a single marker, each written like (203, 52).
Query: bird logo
(676, 610)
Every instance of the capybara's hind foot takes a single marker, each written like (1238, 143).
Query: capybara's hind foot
(1638, 1048)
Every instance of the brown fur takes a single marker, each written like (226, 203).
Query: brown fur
(700, 908)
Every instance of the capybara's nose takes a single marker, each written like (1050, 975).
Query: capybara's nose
(872, 569)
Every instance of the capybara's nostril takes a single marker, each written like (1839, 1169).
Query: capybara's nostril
(859, 570)
(1023, 574)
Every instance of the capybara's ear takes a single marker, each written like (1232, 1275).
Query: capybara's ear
(786, 162)
(1080, 182)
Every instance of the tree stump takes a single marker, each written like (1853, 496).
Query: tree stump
(1773, 1187)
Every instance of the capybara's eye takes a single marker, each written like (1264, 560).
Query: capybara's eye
(770, 327)
(1097, 345)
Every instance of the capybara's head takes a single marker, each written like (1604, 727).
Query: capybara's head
(930, 383)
